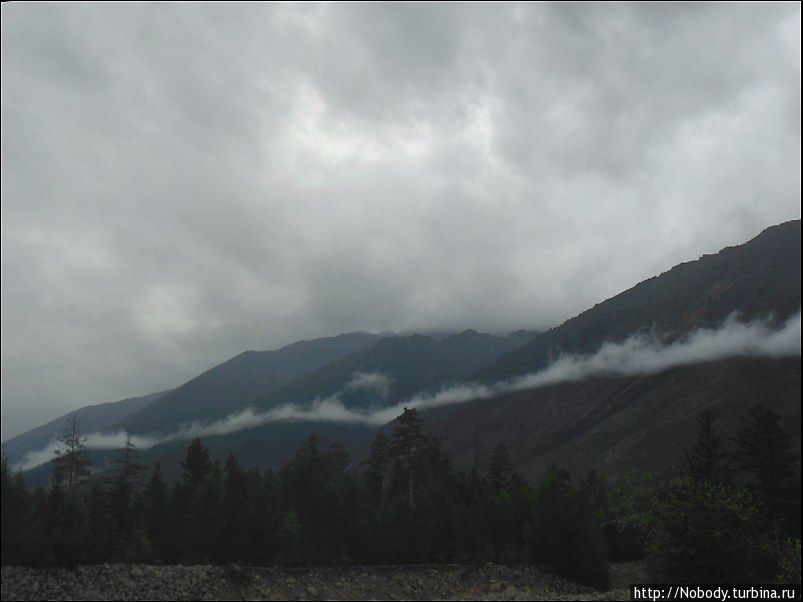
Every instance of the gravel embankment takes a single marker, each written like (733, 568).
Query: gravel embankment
(419, 582)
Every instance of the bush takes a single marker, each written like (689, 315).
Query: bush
(628, 522)
(789, 562)
(709, 533)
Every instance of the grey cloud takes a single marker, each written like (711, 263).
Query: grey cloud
(181, 182)
(376, 382)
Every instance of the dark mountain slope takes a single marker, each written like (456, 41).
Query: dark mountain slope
(235, 384)
(619, 425)
(414, 363)
(99, 417)
(757, 278)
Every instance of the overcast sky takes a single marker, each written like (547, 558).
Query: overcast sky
(181, 183)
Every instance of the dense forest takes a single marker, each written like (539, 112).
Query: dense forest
(730, 514)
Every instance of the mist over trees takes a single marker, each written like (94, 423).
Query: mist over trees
(731, 515)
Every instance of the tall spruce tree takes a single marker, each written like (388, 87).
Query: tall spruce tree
(376, 464)
(102, 531)
(71, 466)
(196, 465)
(764, 454)
(196, 504)
(568, 538)
(704, 458)
(155, 509)
(499, 469)
(124, 489)
(406, 446)
(235, 515)
(15, 509)
(128, 468)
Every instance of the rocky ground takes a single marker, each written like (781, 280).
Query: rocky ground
(427, 582)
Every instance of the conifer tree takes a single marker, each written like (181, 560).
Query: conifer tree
(764, 453)
(102, 531)
(71, 466)
(204, 517)
(196, 465)
(568, 539)
(499, 469)
(235, 512)
(193, 507)
(408, 441)
(129, 470)
(376, 464)
(123, 488)
(155, 508)
(14, 511)
(705, 456)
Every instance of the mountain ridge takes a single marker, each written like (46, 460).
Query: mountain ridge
(235, 383)
(411, 364)
(131, 414)
(756, 279)
(95, 417)
(700, 298)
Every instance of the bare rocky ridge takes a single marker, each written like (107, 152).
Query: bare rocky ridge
(417, 582)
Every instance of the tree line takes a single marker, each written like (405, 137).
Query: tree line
(728, 516)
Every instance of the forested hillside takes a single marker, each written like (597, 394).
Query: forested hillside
(407, 504)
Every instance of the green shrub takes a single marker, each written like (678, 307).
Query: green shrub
(789, 562)
(708, 533)
(628, 521)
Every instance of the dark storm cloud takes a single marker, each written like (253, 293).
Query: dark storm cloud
(182, 182)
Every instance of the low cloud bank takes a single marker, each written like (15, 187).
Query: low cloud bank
(637, 355)
(375, 382)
